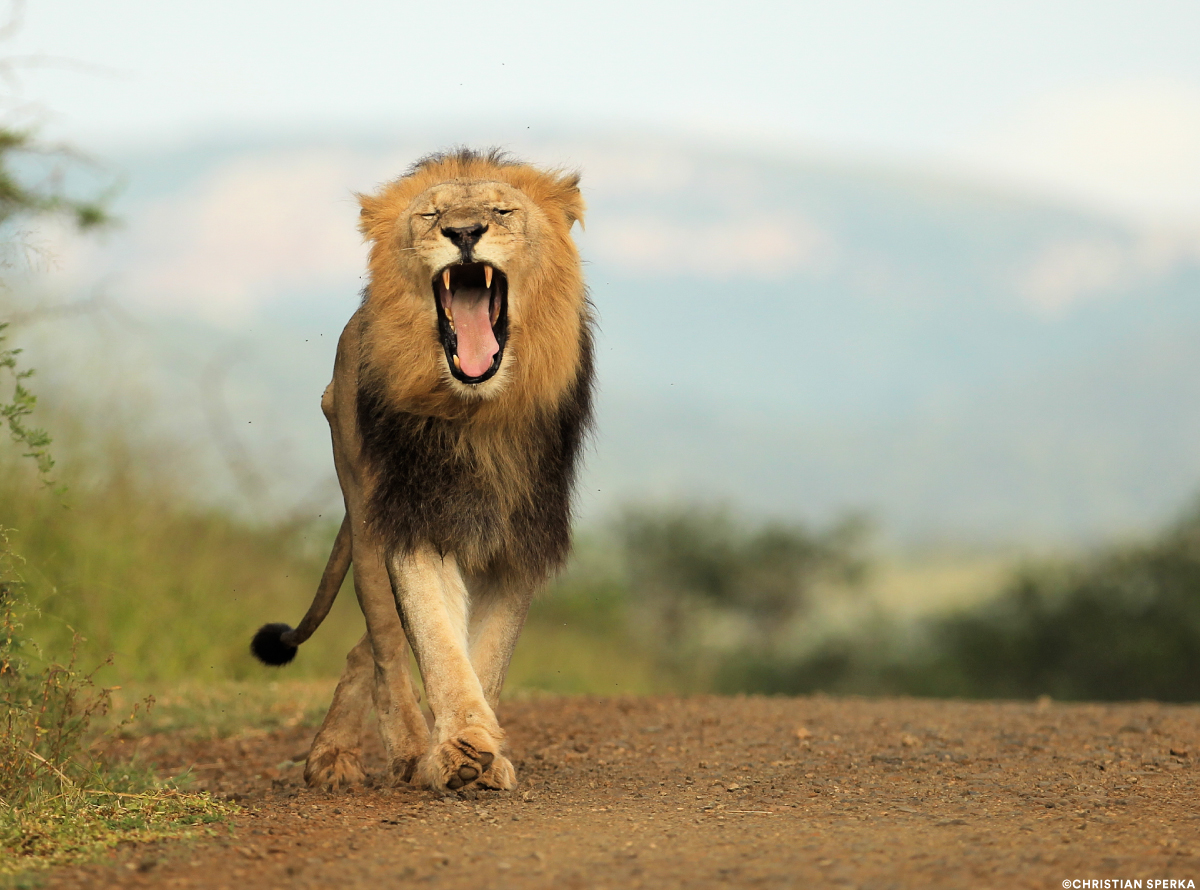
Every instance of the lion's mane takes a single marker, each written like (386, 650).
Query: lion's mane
(489, 479)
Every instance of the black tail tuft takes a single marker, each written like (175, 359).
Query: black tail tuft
(268, 645)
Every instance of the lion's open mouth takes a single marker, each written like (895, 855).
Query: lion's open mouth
(472, 307)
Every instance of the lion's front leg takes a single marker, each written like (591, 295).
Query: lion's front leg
(498, 613)
(467, 739)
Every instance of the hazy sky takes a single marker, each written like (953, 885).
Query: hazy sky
(1097, 99)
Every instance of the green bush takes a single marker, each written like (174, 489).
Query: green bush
(1121, 624)
(1124, 624)
(684, 562)
(654, 600)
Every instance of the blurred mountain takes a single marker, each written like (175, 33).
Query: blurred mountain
(796, 335)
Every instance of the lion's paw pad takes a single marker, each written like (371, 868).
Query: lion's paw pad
(465, 761)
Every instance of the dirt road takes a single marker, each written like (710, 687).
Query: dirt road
(713, 792)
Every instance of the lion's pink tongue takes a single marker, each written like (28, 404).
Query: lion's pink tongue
(477, 345)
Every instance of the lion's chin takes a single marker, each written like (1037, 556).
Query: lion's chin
(472, 309)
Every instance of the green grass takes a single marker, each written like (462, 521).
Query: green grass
(219, 709)
(569, 660)
(171, 593)
(78, 826)
(61, 799)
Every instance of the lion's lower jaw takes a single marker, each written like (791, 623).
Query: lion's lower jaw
(491, 388)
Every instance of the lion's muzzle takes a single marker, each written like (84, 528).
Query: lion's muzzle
(465, 238)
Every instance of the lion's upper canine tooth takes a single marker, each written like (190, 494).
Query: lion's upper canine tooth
(446, 278)
(487, 276)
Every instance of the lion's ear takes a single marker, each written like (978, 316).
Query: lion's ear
(569, 196)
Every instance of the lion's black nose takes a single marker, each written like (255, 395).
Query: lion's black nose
(465, 237)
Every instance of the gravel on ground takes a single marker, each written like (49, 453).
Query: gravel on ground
(720, 792)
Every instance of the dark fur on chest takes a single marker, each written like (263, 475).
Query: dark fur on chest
(428, 491)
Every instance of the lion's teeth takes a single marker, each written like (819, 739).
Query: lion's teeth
(446, 278)
(457, 363)
(487, 276)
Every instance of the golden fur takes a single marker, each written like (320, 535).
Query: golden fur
(401, 343)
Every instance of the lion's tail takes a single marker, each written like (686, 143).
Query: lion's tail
(276, 644)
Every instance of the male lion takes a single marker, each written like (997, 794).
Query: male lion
(461, 394)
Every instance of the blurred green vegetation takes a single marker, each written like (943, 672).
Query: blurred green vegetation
(652, 599)
(1123, 623)
(120, 561)
(62, 798)
(1120, 623)
(684, 599)
(33, 177)
(171, 592)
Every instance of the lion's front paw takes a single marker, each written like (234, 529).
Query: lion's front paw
(471, 759)
(333, 767)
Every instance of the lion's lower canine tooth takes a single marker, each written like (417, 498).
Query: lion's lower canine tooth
(446, 278)
(487, 276)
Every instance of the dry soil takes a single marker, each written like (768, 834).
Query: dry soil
(722, 792)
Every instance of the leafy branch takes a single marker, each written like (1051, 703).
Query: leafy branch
(35, 440)
(47, 197)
